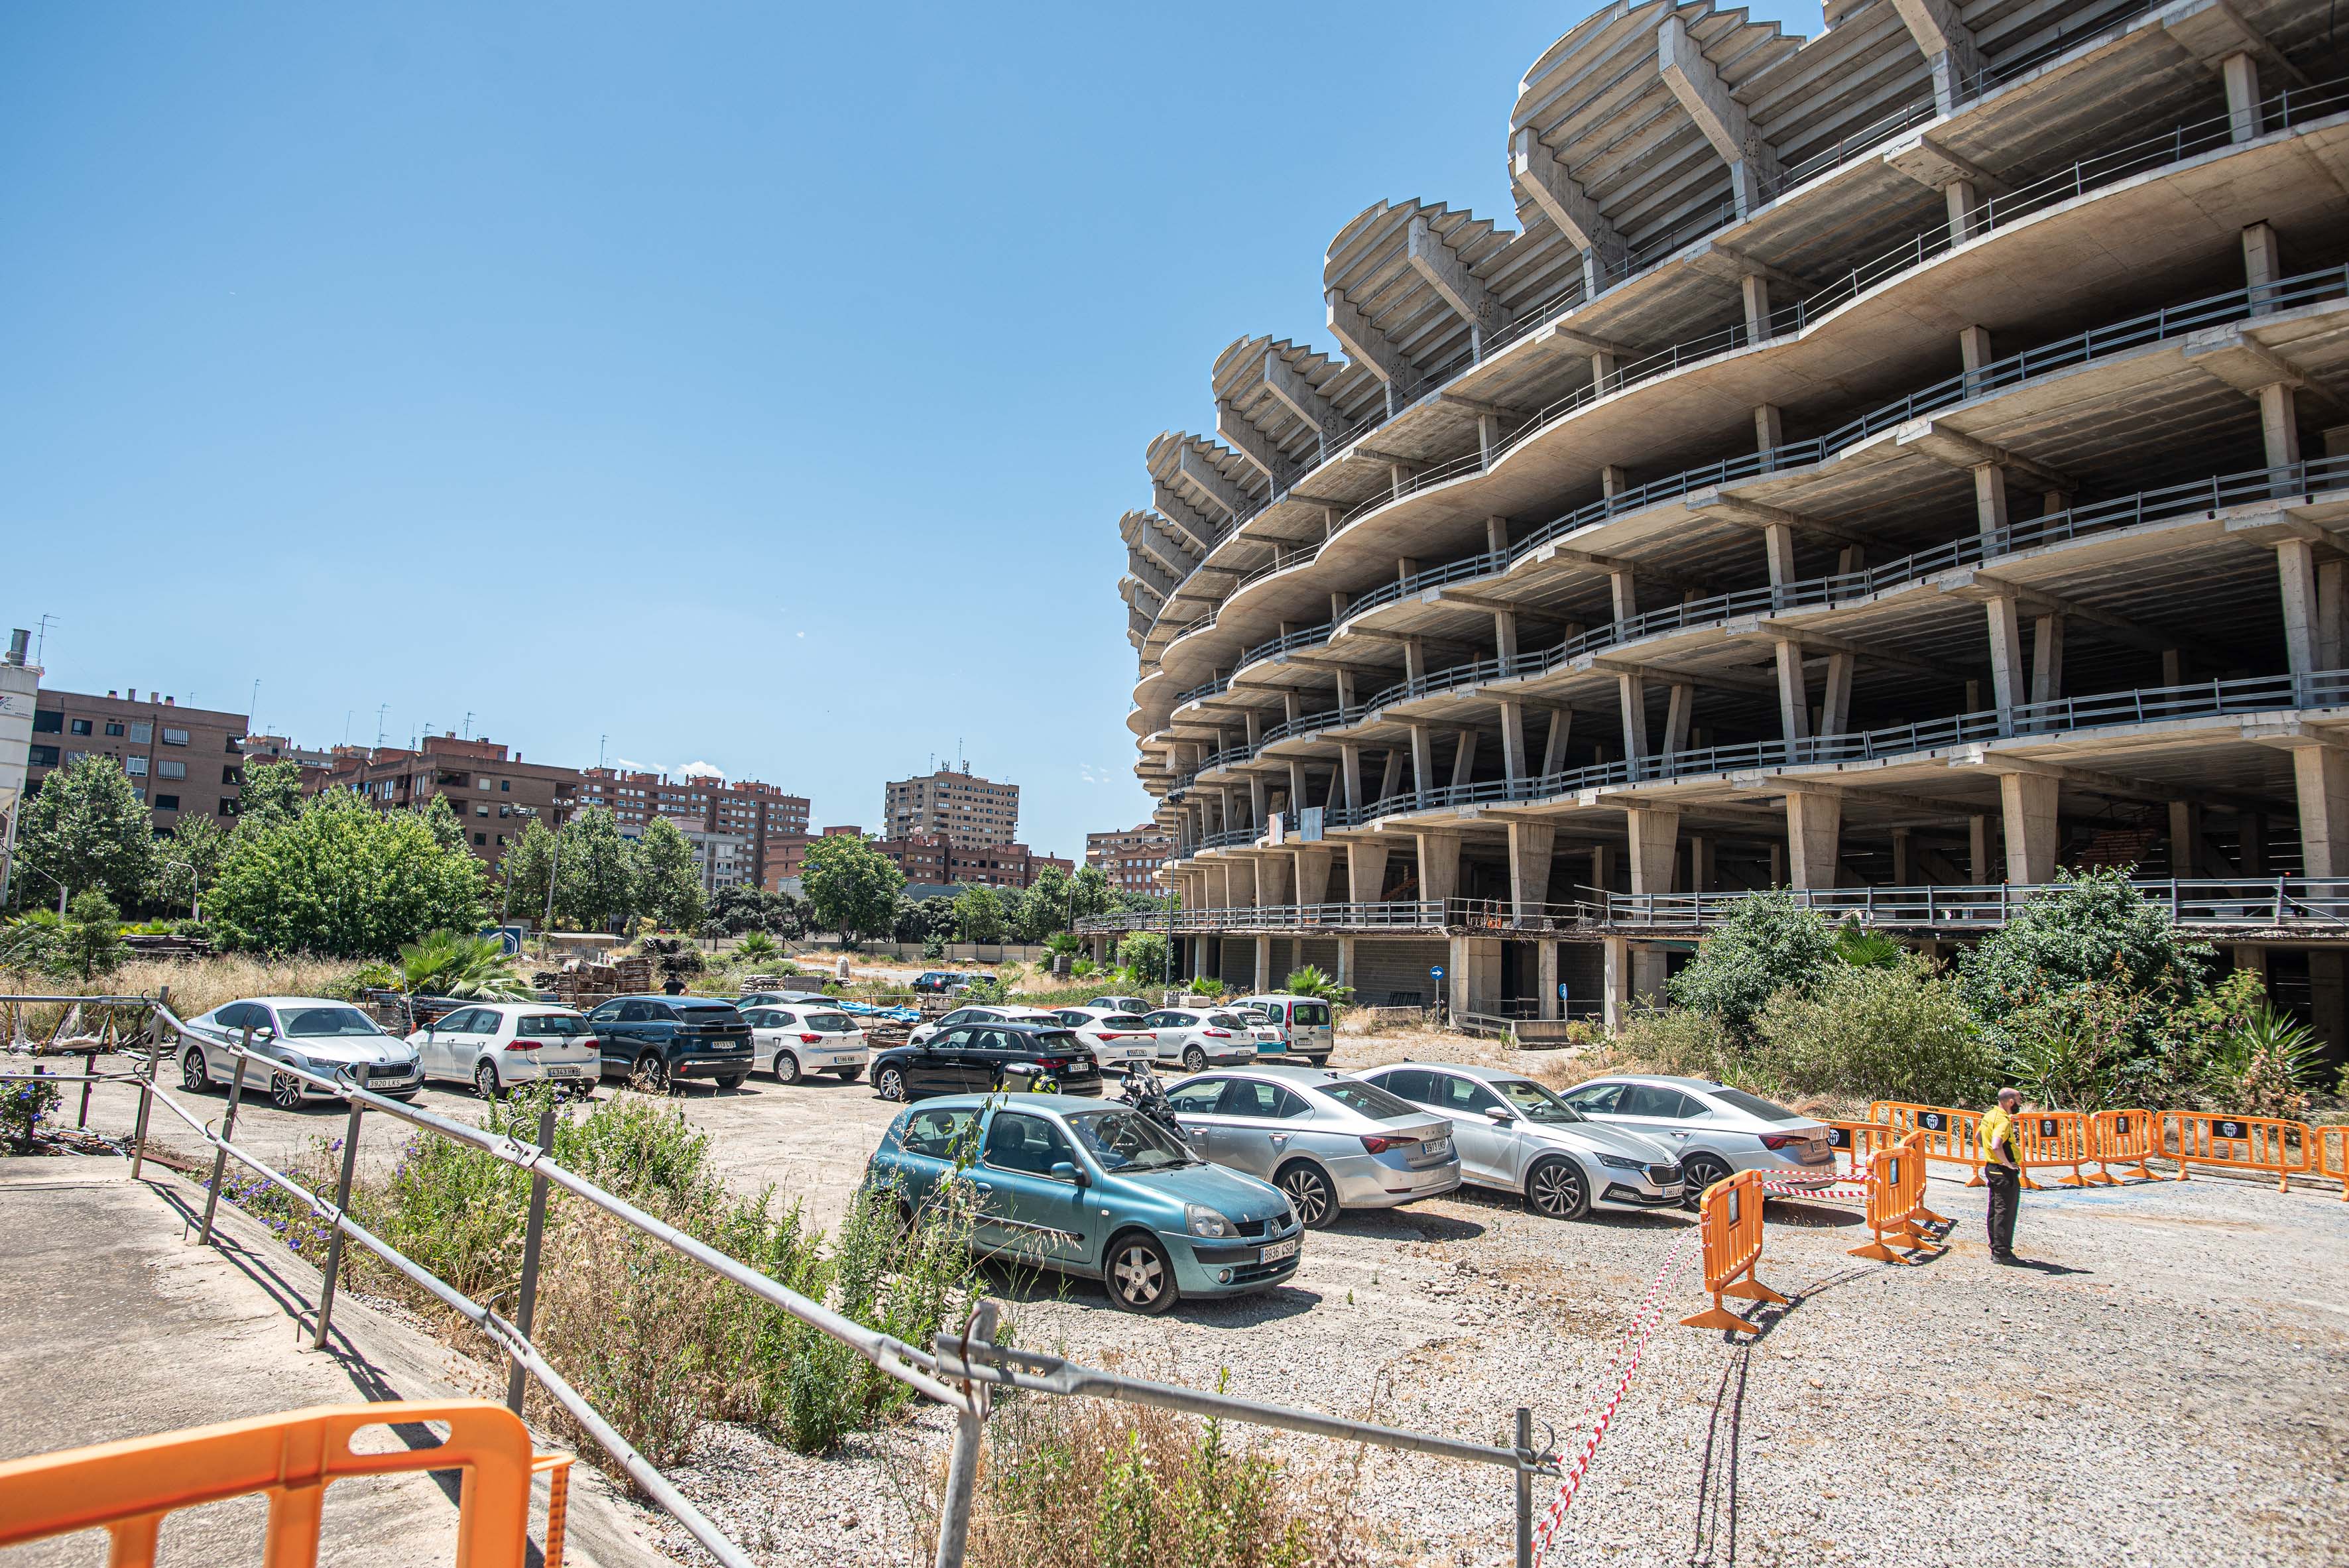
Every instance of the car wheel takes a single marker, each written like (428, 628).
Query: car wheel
(650, 1075)
(1700, 1171)
(732, 1080)
(193, 1078)
(889, 1083)
(848, 1075)
(1556, 1189)
(485, 1080)
(787, 1068)
(285, 1091)
(1140, 1276)
(1310, 1193)
(1195, 1060)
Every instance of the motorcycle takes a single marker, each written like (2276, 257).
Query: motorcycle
(1143, 1093)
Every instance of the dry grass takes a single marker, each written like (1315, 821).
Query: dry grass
(198, 984)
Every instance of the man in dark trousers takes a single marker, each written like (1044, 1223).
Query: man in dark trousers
(2002, 1152)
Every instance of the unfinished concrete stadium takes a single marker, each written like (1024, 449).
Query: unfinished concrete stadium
(1893, 465)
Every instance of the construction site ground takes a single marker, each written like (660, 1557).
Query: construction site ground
(2169, 1369)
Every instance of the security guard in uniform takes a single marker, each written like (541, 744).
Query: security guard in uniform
(2002, 1153)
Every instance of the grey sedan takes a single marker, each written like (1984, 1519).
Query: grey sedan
(1515, 1135)
(1717, 1131)
(1330, 1142)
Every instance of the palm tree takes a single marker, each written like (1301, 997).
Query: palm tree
(1314, 981)
(449, 963)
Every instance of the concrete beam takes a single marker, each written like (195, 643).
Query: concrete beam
(1300, 396)
(1367, 346)
(1718, 508)
(1981, 586)
(1937, 168)
(1210, 482)
(1752, 162)
(1948, 45)
(1187, 519)
(1727, 680)
(1538, 171)
(2234, 356)
(1449, 276)
(1827, 642)
(1960, 450)
(1240, 434)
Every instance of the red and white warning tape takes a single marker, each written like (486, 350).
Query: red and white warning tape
(1787, 1181)
(1634, 1345)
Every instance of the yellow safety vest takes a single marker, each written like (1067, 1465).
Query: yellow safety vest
(1998, 1128)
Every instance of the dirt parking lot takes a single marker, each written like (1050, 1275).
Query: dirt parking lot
(2170, 1373)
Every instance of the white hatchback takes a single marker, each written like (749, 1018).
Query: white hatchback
(495, 1046)
(798, 1040)
(1116, 1038)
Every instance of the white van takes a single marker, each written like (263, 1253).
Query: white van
(1303, 1022)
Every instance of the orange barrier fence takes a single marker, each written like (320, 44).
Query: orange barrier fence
(2333, 1156)
(128, 1488)
(2262, 1144)
(1951, 1136)
(2049, 1138)
(1730, 1220)
(1896, 1201)
(2122, 1138)
(1856, 1141)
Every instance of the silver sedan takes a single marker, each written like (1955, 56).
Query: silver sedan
(1330, 1142)
(1717, 1131)
(1517, 1135)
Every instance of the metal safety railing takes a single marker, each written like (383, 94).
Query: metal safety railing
(956, 1372)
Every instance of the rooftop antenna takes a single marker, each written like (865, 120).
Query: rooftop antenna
(253, 705)
(379, 712)
(347, 726)
(599, 749)
(466, 728)
(43, 636)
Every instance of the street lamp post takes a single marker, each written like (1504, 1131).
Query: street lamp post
(60, 887)
(195, 882)
(1168, 868)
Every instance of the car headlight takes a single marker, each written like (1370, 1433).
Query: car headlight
(1202, 1221)
(1622, 1163)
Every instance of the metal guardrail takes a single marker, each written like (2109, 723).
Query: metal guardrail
(955, 1373)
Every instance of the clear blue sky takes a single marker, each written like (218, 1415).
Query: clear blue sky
(753, 385)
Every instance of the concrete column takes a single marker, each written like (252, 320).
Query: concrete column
(1794, 693)
(1313, 875)
(2006, 658)
(1903, 863)
(1345, 975)
(1602, 866)
(2320, 775)
(1604, 370)
(1346, 698)
(1422, 760)
(1978, 851)
(1366, 869)
(2296, 575)
(1561, 728)
(1349, 769)
(1253, 723)
(1530, 845)
(1613, 479)
(1835, 706)
(1546, 978)
(1769, 428)
(1391, 774)
(2279, 426)
(1505, 639)
(1472, 975)
(2185, 839)
(1338, 602)
(2047, 658)
(1973, 355)
(2241, 76)
(1677, 716)
(1631, 691)
(1778, 866)
(1414, 660)
(1989, 497)
(1648, 969)
(1272, 885)
(1814, 836)
(1623, 591)
(1962, 200)
(1438, 864)
(1244, 884)
(1616, 995)
(1258, 807)
(2330, 607)
(2328, 999)
(1464, 757)
(1778, 546)
(1264, 964)
(2252, 956)
(1299, 795)
(1756, 291)
(1704, 875)
(1513, 740)
(2028, 803)
(1655, 840)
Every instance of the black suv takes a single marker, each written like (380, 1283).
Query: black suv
(653, 1041)
(990, 1054)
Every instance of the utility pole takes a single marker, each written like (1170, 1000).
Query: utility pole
(42, 641)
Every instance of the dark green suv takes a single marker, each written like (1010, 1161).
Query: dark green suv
(654, 1041)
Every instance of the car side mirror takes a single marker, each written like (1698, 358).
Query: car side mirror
(1501, 1113)
(1064, 1171)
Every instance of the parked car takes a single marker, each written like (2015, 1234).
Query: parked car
(1199, 1040)
(993, 1013)
(1518, 1136)
(1120, 1003)
(314, 1034)
(1328, 1142)
(1095, 1190)
(1114, 1039)
(944, 982)
(988, 1053)
(804, 1039)
(658, 1041)
(1715, 1131)
(496, 1045)
(1303, 1022)
(782, 999)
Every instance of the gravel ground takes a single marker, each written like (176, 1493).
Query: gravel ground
(2170, 1371)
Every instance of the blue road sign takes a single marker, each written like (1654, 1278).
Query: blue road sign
(1436, 973)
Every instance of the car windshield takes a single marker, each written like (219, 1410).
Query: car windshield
(1128, 1141)
(316, 1023)
(829, 1022)
(1123, 1021)
(1536, 1103)
(1754, 1105)
(706, 1013)
(1309, 1013)
(1234, 1020)
(549, 1026)
(1370, 1100)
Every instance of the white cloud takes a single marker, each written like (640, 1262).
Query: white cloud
(639, 766)
(700, 770)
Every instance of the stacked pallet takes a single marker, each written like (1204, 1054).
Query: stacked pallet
(634, 975)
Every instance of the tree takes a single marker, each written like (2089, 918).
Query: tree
(852, 886)
(1044, 908)
(528, 862)
(343, 880)
(668, 879)
(2090, 928)
(1145, 954)
(197, 842)
(978, 915)
(1090, 893)
(270, 797)
(596, 873)
(89, 938)
(87, 829)
(1314, 981)
(450, 964)
(441, 818)
(1768, 943)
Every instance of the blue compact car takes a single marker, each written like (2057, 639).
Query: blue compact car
(1084, 1188)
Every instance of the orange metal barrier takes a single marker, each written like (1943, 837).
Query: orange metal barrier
(1951, 1136)
(126, 1488)
(2237, 1143)
(1896, 1201)
(1730, 1218)
(2333, 1156)
(1856, 1141)
(2122, 1138)
(2047, 1138)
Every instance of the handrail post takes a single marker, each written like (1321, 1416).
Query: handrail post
(335, 1239)
(228, 1135)
(526, 1305)
(970, 1431)
(1525, 1447)
(155, 1028)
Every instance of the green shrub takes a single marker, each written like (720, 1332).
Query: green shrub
(1207, 985)
(1313, 981)
(1145, 954)
(1901, 1031)
(2263, 1065)
(2089, 929)
(1769, 943)
(1682, 1040)
(23, 1106)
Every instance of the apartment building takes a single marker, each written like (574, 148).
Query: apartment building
(179, 760)
(952, 804)
(495, 796)
(736, 808)
(1888, 464)
(725, 860)
(1130, 857)
(281, 748)
(928, 859)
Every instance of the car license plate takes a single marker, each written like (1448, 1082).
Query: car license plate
(1279, 1250)
(1437, 1148)
(560, 1071)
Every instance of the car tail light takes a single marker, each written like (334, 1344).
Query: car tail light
(1377, 1145)
(1782, 1141)
(1216, 1034)
(522, 1044)
(810, 1039)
